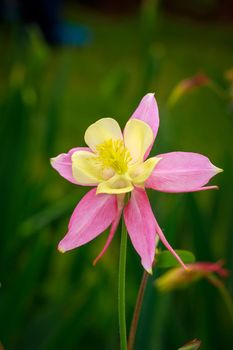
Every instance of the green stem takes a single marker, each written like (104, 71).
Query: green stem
(121, 288)
(137, 310)
(224, 292)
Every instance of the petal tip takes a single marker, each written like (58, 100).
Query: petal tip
(150, 97)
(99, 190)
(150, 94)
(150, 271)
(52, 160)
(95, 261)
(218, 170)
(61, 249)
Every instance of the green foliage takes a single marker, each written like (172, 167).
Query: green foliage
(164, 259)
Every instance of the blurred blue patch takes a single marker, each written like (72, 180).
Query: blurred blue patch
(74, 35)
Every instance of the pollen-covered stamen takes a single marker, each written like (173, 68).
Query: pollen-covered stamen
(113, 154)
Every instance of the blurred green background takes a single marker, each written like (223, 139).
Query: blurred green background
(49, 94)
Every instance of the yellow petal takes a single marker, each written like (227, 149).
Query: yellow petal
(117, 184)
(85, 168)
(138, 136)
(103, 130)
(140, 172)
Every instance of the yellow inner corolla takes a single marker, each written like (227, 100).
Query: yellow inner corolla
(113, 154)
(116, 163)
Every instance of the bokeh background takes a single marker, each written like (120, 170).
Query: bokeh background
(63, 65)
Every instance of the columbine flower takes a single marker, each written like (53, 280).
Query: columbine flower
(178, 277)
(191, 345)
(116, 163)
(187, 85)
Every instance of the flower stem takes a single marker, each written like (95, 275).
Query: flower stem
(137, 310)
(224, 292)
(121, 288)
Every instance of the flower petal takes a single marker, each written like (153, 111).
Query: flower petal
(93, 214)
(63, 163)
(138, 136)
(103, 130)
(109, 239)
(86, 170)
(120, 201)
(140, 172)
(115, 185)
(167, 245)
(147, 111)
(181, 172)
(140, 223)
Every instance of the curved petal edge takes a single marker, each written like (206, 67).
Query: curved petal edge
(182, 172)
(93, 214)
(140, 223)
(63, 163)
(147, 111)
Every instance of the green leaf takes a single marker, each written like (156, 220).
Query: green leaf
(192, 345)
(165, 259)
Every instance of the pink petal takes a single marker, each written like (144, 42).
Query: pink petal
(147, 111)
(93, 214)
(63, 164)
(120, 205)
(182, 172)
(140, 223)
(208, 267)
(109, 239)
(167, 245)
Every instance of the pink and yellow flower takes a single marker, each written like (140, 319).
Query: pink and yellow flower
(179, 278)
(115, 163)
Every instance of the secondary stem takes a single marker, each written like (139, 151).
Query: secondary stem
(224, 292)
(121, 288)
(137, 310)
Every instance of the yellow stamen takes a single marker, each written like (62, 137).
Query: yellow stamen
(113, 154)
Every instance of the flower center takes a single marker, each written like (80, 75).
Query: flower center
(113, 154)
